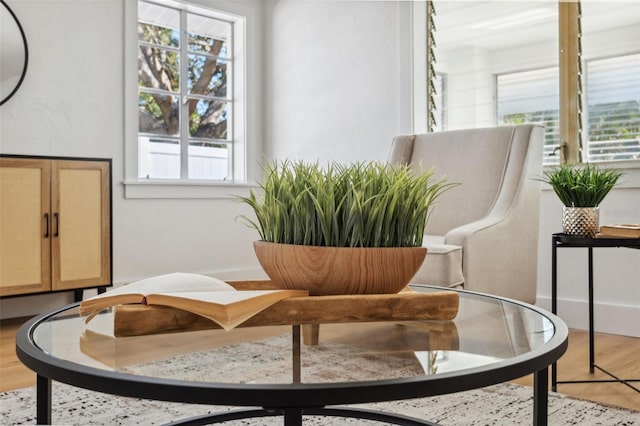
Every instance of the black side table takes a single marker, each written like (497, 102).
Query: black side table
(560, 241)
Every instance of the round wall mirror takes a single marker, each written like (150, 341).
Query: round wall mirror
(13, 51)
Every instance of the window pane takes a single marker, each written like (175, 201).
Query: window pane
(208, 35)
(209, 161)
(439, 99)
(158, 69)
(207, 76)
(611, 117)
(158, 25)
(208, 119)
(158, 158)
(477, 40)
(613, 107)
(532, 97)
(158, 114)
(158, 35)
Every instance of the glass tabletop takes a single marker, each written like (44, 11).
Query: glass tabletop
(488, 333)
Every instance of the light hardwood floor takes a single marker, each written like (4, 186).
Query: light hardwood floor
(617, 354)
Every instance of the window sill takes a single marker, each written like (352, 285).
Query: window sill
(173, 189)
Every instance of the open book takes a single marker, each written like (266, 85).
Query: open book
(200, 294)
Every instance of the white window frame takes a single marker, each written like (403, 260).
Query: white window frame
(136, 187)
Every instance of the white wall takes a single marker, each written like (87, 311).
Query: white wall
(338, 78)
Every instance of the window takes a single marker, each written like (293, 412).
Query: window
(190, 115)
(502, 65)
(612, 115)
(475, 40)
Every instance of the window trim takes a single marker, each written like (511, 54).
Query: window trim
(570, 76)
(135, 187)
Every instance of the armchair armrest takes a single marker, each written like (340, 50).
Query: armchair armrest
(497, 249)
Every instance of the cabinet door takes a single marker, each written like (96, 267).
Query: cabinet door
(81, 246)
(24, 226)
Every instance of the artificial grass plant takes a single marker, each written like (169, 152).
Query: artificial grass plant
(364, 204)
(581, 185)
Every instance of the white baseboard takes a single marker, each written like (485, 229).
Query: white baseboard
(612, 319)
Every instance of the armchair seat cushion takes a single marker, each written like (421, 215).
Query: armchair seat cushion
(443, 264)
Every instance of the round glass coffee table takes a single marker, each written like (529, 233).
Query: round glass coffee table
(273, 371)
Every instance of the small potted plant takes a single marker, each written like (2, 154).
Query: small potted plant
(342, 229)
(581, 189)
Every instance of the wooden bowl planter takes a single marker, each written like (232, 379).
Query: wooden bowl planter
(339, 270)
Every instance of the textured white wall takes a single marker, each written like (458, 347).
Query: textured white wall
(338, 78)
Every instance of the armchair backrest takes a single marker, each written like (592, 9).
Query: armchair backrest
(491, 164)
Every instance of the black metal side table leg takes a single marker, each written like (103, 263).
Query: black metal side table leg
(540, 397)
(43, 400)
(592, 360)
(554, 301)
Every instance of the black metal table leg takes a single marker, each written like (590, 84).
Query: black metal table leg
(293, 417)
(554, 301)
(43, 400)
(591, 324)
(540, 397)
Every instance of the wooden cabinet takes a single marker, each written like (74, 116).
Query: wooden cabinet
(55, 224)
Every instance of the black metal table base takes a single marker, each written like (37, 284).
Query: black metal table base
(293, 416)
(560, 241)
(614, 379)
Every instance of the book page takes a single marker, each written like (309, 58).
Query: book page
(176, 282)
(633, 226)
(219, 298)
(227, 308)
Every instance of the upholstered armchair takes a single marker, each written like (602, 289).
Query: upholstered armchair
(483, 234)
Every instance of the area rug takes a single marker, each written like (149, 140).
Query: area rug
(504, 404)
